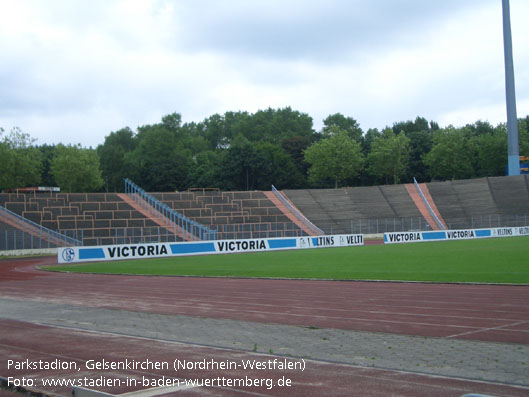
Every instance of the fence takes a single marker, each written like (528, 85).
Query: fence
(259, 230)
(159, 234)
(17, 232)
(487, 221)
(155, 234)
(156, 207)
(388, 225)
(15, 239)
(375, 226)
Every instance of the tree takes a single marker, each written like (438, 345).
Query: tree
(76, 169)
(243, 166)
(159, 162)
(420, 144)
(47, 153)
(257, 165)
(270, 125)
(420, 132)
(451, 156)
(7, 161)
(295, 148)
(368, 139)
(389, 156)
(274, 125)
(281, 170)
(215, 132)
(205, 169)
(523, 135)
(337, 158)
(20, 161)
(172, 121)
(491, 152)
(347, 124)
(420, 124)
(480, 128)
(112, 158)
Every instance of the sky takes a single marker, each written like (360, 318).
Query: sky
(73, 71)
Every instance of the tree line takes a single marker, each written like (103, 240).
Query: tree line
(245, 151)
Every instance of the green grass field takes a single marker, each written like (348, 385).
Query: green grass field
(500, 260)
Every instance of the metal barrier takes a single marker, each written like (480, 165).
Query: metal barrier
(264, 230)
(296, 212)
(389, 225)
(488, 221)
(377, 226)
(430, 210)
(159, 234)
(150, 203)
(154, 234)
(26, 234)
(15, 239)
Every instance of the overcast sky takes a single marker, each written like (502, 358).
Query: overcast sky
(73, 71)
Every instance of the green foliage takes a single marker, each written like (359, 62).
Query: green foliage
(160, 162)
(491, 152)
(389, 156)
(20, 161)
(295, 147)
(347, 124)
(337, 158)
(281, 170)
(216, 132)
(268, 125)
(7, 164)
(206, 169)
(420, 142)
(47, 153)
(523, 136)
(244, 166)
(420, 124)
(369, 137)
(480, 128)
(242, 150)
(112, 158)
(76, 169)
(420, 132)
(172, 122)
(451, 156)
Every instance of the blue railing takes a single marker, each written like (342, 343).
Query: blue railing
(302, 218)
(37, 230)
(188, 226)
(430, 210)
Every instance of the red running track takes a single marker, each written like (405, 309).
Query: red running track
(478, 312)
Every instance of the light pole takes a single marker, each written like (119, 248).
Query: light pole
(513, 150)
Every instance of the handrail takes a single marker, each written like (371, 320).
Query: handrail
(302, 218)
(149, 202)
(44, 232)
(430, 210)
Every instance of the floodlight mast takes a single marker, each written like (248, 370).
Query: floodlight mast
(513, 150)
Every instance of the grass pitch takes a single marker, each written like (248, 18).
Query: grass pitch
(500, 260)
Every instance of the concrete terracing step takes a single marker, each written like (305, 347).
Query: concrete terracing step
(158, 218)
(311, 231)
(421, 206)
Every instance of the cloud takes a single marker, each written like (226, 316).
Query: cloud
(74, 71)
(319, 31)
